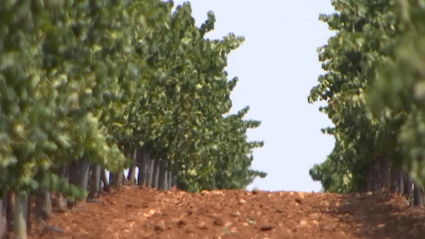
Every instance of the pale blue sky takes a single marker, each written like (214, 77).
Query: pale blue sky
(277, 66)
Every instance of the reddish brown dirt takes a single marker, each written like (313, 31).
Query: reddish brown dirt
(146, 213)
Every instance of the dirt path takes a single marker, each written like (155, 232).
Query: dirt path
(146, 213)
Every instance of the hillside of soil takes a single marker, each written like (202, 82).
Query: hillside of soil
(133, 212)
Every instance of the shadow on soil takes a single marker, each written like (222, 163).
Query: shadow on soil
(381, 216)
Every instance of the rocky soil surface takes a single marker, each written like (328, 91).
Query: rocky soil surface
(134, 212)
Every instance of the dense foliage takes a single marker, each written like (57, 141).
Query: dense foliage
(95, 80)
(374, 90)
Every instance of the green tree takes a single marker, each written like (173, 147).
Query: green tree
(373, 89)
(86, 84)
(398, 92)
(351, 57)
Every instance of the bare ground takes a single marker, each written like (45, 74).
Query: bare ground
(147, 213)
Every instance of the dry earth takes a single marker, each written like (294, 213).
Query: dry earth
(147, 213)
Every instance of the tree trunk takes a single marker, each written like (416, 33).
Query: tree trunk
(124, 179)
(94, 185)
(141, 164)
(408, 189)
(20, 215)
(9, 210)
(74, 175)
(43, 204)
(166, 185)
(375, 178)
(3, 221)
(162, 177)
(363, 184)
(61, 201)
(417, 195)
(370, 179)
(84, 174)
(423, 195)
(29, 205)
(131, 177)
(116, 179)
(386, 175)
(150, 172)
(393, 176)
(104, 180)
(378, 175)
(79, 175)
(132, 170)
(156, 173)
(144, 163)
(170, 180)
(400, 182)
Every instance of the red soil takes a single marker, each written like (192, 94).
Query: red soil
(146, 213)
